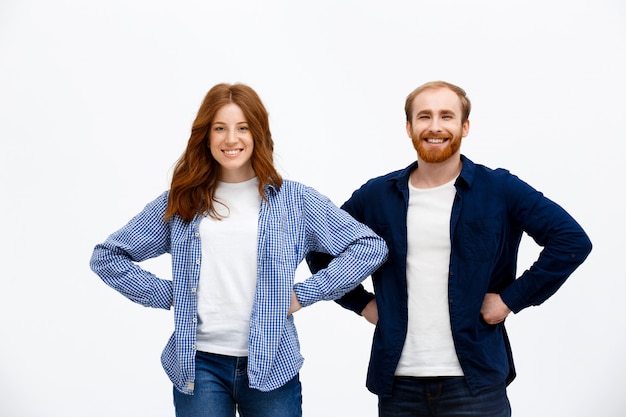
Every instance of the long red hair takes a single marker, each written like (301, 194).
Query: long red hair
(196, 173)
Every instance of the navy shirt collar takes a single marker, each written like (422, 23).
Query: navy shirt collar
(401, 177)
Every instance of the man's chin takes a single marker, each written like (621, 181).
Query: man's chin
(434, 157)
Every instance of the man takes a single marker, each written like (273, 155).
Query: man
(453, 229)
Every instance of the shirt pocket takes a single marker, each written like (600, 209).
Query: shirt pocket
(281, 240)
(479, 240)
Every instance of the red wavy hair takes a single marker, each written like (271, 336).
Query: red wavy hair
(196, 173)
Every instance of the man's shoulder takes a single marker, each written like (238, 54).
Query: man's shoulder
(473, 171)
(388, 180)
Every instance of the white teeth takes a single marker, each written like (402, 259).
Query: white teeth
(433, 140)
(235, 152)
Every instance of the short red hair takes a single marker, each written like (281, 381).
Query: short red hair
(466, 105)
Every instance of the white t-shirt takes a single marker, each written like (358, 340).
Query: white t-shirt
(429, 349)
(228, 271)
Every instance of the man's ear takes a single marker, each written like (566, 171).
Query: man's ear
(465, 128)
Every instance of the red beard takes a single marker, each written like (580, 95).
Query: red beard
(437, 154)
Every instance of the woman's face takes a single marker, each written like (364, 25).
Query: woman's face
(231, 144)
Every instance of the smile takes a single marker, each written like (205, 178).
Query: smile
(435, 140)
(232, 152)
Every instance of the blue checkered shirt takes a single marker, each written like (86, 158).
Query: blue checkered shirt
(294, 221)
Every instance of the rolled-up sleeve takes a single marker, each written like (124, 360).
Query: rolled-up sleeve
(143, 237)
(356, 249)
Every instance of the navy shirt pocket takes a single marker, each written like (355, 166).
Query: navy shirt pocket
(478, 240)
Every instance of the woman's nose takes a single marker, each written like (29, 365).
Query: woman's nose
(231, 136)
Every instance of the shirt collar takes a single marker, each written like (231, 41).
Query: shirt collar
(401, 177)
(468, 172)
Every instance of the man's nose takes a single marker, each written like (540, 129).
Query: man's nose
(435, 125)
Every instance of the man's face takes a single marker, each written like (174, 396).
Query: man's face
(435, 127)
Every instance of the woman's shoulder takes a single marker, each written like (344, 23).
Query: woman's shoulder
(295, 190)
(161, 200)
(291, 187)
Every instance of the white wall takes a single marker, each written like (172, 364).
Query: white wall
(96, 103)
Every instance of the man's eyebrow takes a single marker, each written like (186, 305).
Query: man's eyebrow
(443, 111)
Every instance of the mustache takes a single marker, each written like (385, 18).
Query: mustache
(444, 135)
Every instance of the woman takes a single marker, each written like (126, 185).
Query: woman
(236, 232)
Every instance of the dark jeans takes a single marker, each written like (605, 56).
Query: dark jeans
(442, 397)
(221, 385)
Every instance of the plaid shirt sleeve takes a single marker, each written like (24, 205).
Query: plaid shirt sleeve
(358, 251)
(143, 237)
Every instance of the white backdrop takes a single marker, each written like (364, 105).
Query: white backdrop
(96, 104)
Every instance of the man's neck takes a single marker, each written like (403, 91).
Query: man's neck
(430, 175)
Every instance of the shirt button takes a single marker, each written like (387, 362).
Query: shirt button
(193, 347)
(197, 261)
(194, 320)
(193, 290)
(196, 234)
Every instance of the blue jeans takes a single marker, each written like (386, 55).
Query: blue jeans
(442, 397)
(221, 387)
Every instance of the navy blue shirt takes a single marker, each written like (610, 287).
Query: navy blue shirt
(491, 211)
